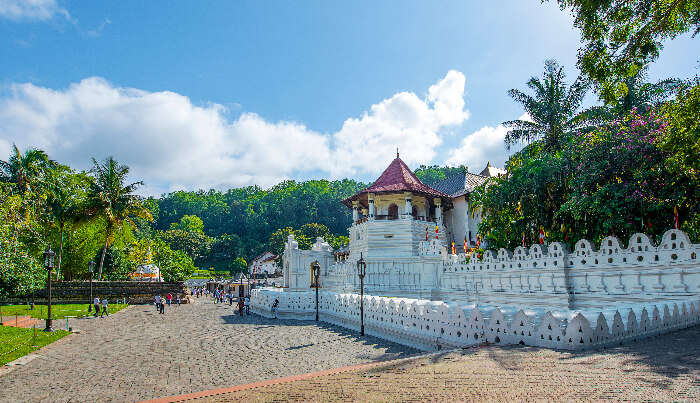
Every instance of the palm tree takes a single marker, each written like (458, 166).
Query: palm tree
(65, 201)
(641, 94)
(25, 171)
(552, 108)
(109, 197)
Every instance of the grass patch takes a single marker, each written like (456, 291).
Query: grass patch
(18, 342)
(58, 311)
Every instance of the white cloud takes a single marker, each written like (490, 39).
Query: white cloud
(405, 121)
(173, 144)
(483, 146)
(31, 9)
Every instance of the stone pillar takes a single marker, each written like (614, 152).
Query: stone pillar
(355, 212)
(409, 207)
(438, 210)
(370, 201)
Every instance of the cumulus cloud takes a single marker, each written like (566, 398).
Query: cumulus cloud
(40, 10)
(173, 144)
(483, 146)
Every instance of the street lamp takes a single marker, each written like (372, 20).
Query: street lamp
(316, 268)
(91, 265)
(361, 271)
(48, 264)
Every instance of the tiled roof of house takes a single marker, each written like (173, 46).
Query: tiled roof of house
(398, 177)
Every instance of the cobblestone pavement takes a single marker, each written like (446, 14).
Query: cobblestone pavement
(665, 368)
(138, 354)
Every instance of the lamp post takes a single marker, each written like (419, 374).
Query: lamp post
(316, 268)
(48, 264)
(91, 265)
(361, 271)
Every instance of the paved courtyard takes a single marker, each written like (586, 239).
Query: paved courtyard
(138, 354)
(666, 368)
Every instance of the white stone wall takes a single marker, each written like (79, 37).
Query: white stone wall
(541, 296)
(431, 325)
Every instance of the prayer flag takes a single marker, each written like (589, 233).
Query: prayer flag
(478, 240)
(453, 248)
(426, 232)
(437, 230)
(541, 235)
(523, 239)
(676, 222)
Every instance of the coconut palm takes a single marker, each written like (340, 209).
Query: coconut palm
(110, 198)
(552, 109)
(26, 170)
(65, 199)
(641, 94)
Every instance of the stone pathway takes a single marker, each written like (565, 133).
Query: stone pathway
(138, 354)
(665, 368)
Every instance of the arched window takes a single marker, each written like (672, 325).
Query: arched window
(393, 212)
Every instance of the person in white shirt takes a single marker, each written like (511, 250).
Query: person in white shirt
(104, 307)
(247, 306)
(96, 302)
(157, 303)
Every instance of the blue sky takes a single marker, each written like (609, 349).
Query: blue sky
(228, 93)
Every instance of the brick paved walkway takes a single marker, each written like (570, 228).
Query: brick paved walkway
(138, 354)
(665, 368)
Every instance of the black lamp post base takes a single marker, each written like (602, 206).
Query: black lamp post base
(48, 329)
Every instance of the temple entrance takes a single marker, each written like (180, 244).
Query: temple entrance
(393, 212)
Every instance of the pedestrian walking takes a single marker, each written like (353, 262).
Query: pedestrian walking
(162, 305)
(104, 307)
(169, 297)
(178, 300)
(241, 305)
(230, 299)
(96, 302)
(274, 307)
(157, 303)
(247, 305)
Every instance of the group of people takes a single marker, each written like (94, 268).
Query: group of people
(103, 302)
(162, 301)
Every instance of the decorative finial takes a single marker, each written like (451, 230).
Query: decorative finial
(397, 152)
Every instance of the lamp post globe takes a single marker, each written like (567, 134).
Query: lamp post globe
(91, 266)
(361, 271)
(316, 269)
(48, 264)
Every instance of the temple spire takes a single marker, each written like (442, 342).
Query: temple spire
(397, 152)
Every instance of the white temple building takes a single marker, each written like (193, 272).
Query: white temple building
(420, 294)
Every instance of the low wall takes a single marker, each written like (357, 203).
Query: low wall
(432, 325)
(135, 292)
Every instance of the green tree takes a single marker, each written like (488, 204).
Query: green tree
(553, 108)
(433, 174)
(109, 197)
(21, 269)
(66, 201)
(621, 36)
(26, 171)
(239, 265)
(189, 223)
(194, 244)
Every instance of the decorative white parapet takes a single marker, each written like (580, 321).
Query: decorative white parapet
(432, 247)
(432, 325)
(541, 296)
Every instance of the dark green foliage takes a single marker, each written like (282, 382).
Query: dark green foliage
(430, 175)
(621, 36)
(117, 265)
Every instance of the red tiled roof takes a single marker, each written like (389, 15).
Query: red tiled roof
(398, 177)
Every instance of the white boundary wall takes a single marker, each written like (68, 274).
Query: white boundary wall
(540, 296)
(430, 325)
